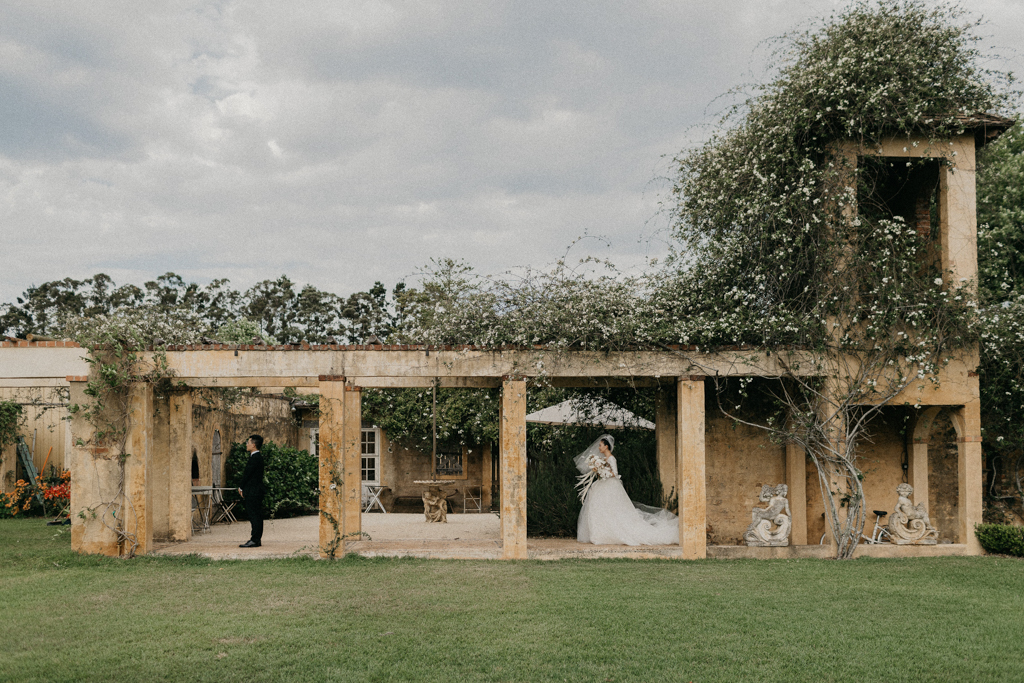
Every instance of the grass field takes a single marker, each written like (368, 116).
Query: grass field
(66, 617)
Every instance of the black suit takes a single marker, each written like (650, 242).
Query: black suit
(253, 491)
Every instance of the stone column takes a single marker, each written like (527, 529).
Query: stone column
(513, 469)
(159, 468)
(665, 438)
(352, 500)
(969, 469)
(179, 477)
(332, 484)
(485, 477)
(958, 216)
(690, 467)
(796, 480)
(94, 475)
(138, 518)
(917, 454)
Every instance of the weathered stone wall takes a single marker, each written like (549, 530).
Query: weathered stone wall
(401, 466)
(880, 457)
(270, 417)
(943, 487)
(740, 459)
(160, 469)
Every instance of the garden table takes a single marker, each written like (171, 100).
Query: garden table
(199, 494)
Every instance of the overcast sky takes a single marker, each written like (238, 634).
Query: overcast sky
(343, 142)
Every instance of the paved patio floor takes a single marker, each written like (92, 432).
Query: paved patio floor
(465, 536)
(470, 537)
(298, 536)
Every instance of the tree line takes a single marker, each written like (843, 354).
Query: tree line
(274, 311)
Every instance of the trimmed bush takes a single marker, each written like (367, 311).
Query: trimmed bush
(1001, 539)
(291, 476)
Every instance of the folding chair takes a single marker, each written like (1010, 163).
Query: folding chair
(472, 499)
(221, 508)
(373, 498)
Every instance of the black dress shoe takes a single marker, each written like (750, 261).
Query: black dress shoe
(249, 544)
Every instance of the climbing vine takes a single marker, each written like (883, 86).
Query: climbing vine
(125, 351)
(11, 418)
(788, 245)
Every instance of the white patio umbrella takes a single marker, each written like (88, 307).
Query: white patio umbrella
(608, 416)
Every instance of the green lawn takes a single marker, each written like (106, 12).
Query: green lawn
(66, 617)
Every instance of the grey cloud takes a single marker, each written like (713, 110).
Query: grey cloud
(347, 142)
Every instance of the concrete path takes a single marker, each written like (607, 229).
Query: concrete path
(390, 534)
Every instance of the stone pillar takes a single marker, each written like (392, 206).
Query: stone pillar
(665, 438)
(159, 468)
(332, 484)
(98, 507)
(690, 467)
(796, 480)
(917, 454)
(94, 476)
(486, 465)
(958, 216)
(352, 500)
(513, 469)
(970, 488)
(138, 517)
(179, 479)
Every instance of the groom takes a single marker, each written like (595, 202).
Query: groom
(252, 490)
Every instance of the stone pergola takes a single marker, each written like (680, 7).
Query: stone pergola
(340, 372)
(159, 462)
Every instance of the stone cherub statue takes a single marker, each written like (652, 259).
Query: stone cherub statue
(435, 507)
(909, 523)
(760, 533)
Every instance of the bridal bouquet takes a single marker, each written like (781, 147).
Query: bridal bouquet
(599, 469)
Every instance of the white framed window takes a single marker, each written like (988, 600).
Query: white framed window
(369, 462)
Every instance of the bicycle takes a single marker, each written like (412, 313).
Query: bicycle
(880, 534)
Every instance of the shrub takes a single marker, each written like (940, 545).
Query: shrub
(1001, 539)
(291, 476)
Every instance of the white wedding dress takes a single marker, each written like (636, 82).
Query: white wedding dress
(610, 517)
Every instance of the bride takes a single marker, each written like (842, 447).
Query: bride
(608, 515)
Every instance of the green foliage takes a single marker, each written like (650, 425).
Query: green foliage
(291, 476)
(11, 418)
(589, 306)
(1001, 218)
(1001, 539)
(1001, 285)
(761, 206)
(242, 331)
(464, 416)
